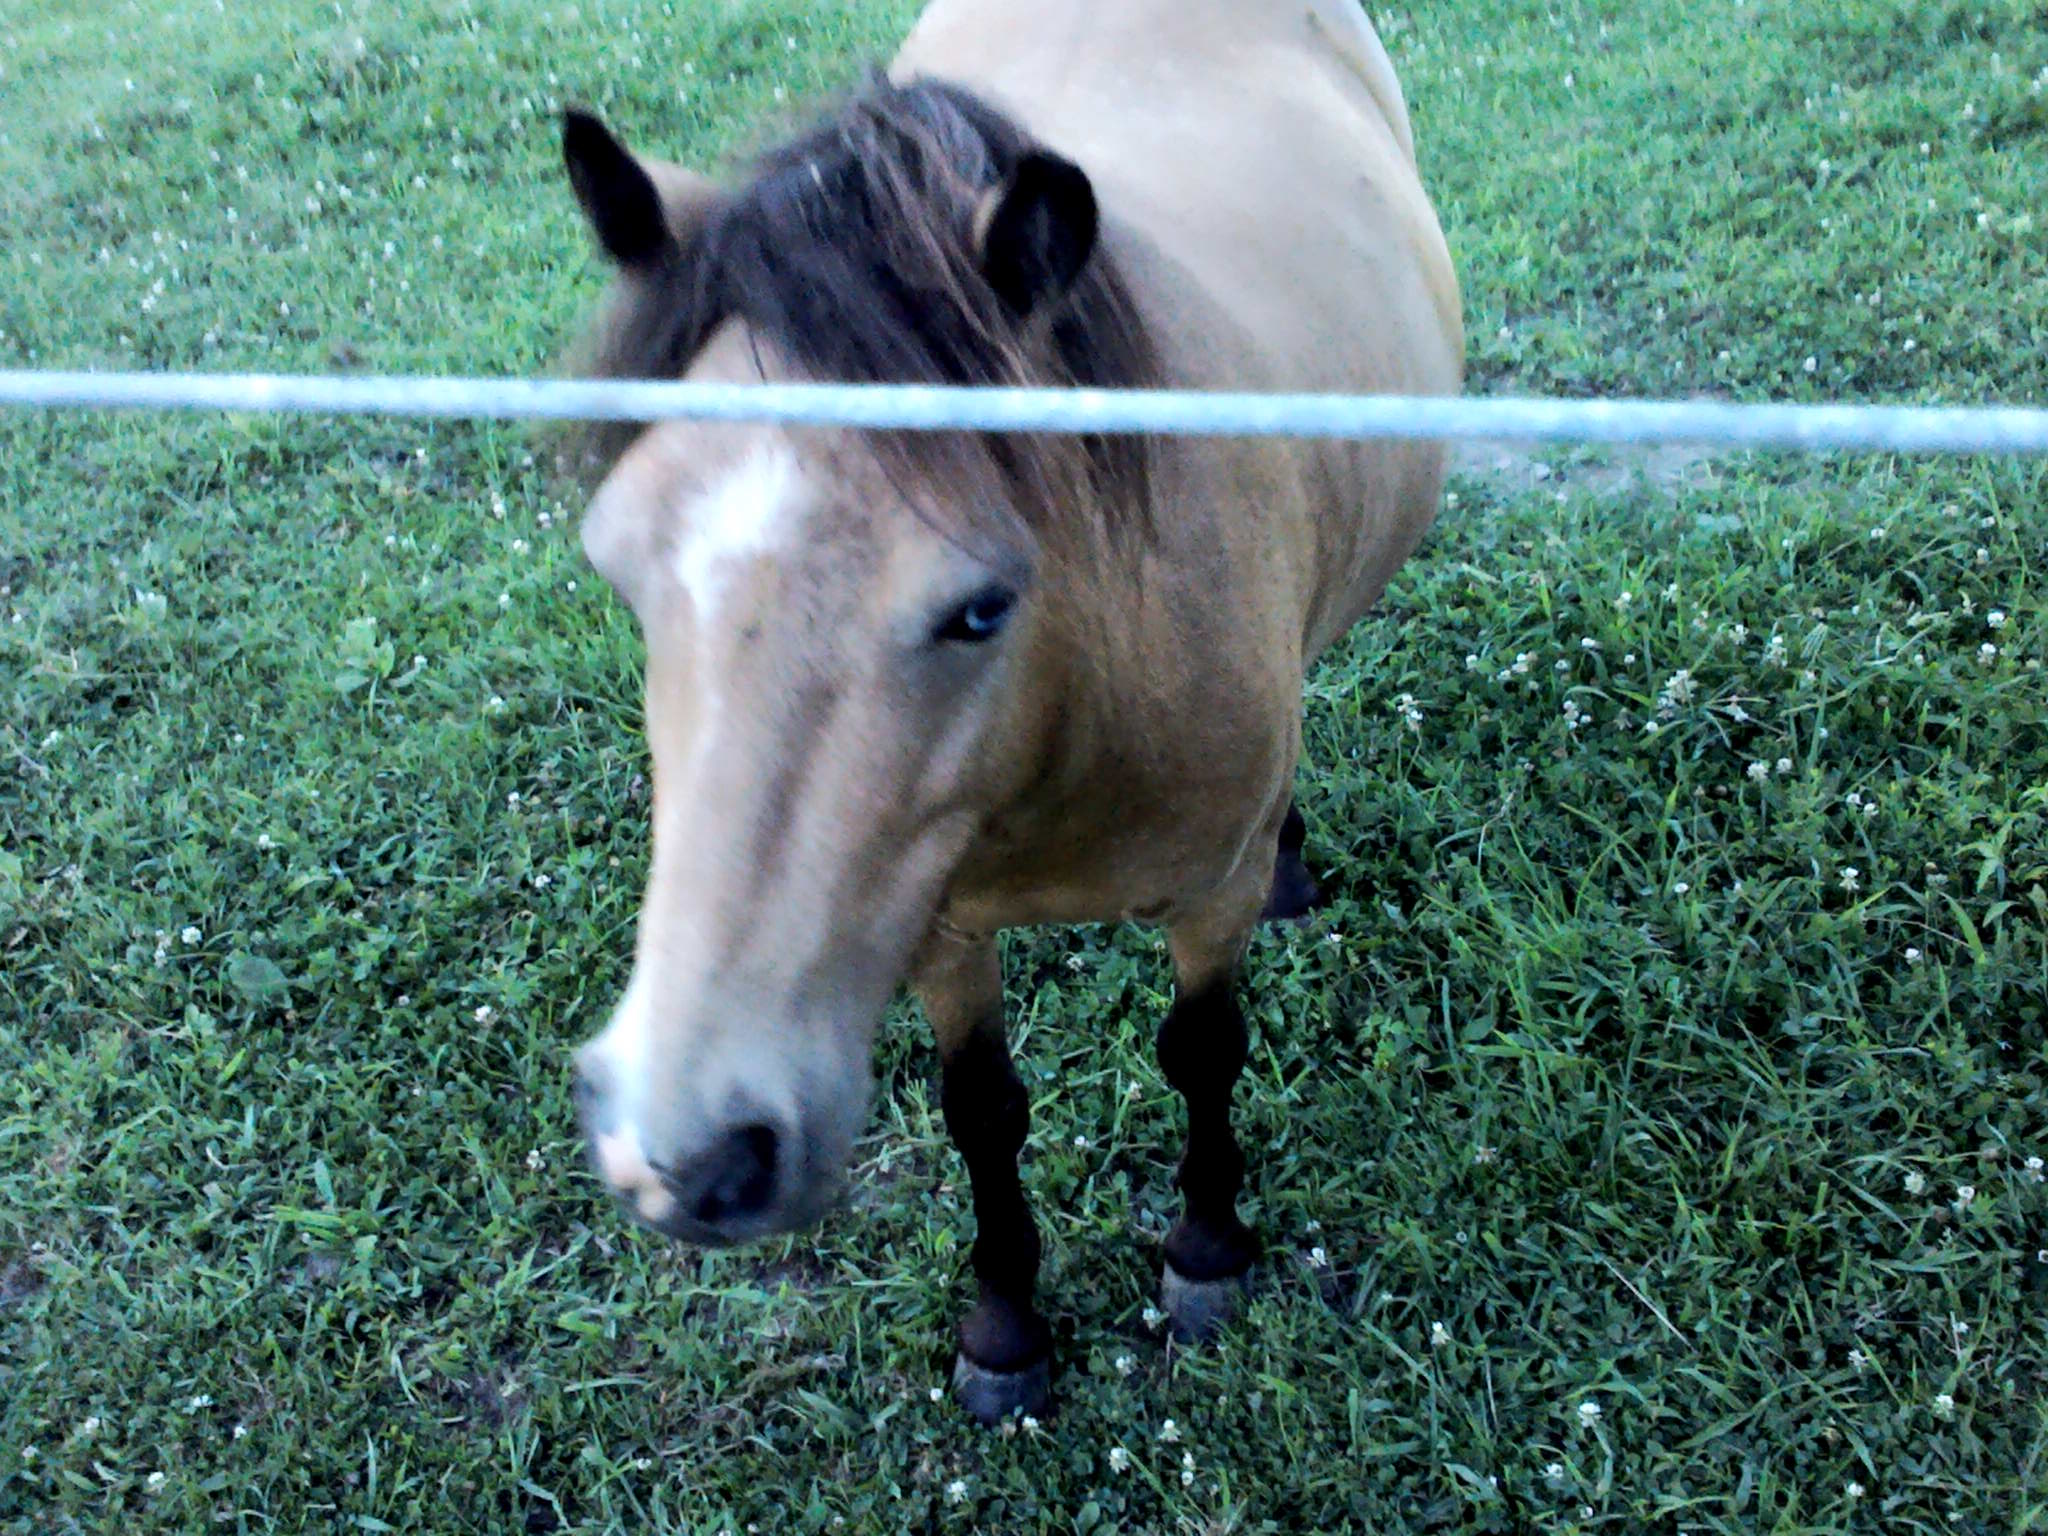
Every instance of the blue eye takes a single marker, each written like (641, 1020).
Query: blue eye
(978, 620)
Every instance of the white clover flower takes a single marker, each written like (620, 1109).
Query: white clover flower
(190, 935)
(263, 841)
(938, 1394)
(1553, 1473)
(1169, 1432)
(1852, 879)
(153, 1482)
(956, 1491)
(484, 1013)
(1187, 1469)
(1119, 1459)
(1913, 955)
(2035, 1171)
(1995, 619)
(1853, 1490)
(1944, 1406)
(1589, 1412)
(1153, 1318)
(1125, 1365)
(1028, 1424)
(1485, 1154)
(535, 1161)
(1965, 1193)
(504, 601)
(1439, 1336)
(1319, 1257)
(1858, 1361)
(1759, 772)
(193, 1405)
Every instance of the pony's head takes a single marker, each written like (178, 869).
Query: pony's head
(842, 628)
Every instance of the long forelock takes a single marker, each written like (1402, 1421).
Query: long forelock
(848, 254)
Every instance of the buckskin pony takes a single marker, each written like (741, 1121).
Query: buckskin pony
(905, 691)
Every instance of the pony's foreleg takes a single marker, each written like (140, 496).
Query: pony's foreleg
(1202, 1049)
(1005, 1347)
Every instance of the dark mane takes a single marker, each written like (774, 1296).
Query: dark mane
(849, 252)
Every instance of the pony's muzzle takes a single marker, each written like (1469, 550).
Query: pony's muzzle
(728, 1190)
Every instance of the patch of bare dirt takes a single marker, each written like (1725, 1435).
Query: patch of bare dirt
(1517, 468)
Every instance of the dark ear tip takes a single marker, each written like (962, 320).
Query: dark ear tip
(582, 131)
(1042, 169)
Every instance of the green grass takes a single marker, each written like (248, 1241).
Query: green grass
(1603, 1059)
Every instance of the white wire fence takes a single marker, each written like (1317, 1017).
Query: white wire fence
(1884, 429)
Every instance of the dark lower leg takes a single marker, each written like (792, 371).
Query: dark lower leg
(1293, 830)
(1202, 1049)
(987, 1115)
(1295, 893)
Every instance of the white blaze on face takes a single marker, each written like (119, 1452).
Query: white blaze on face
(752, 511)
(747, 513)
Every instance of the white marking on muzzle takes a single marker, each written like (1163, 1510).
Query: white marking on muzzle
(626, 1169)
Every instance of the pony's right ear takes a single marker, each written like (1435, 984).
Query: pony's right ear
(618, 196)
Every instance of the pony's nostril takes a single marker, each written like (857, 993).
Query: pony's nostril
(739, 1176)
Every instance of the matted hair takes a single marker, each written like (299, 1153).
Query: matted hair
(850, 253)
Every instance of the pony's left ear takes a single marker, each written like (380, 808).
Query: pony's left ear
(1034, 237)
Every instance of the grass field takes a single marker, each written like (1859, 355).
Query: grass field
(1647, 1139)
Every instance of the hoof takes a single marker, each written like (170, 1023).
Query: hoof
(993, 1396)
(1198, 1310)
